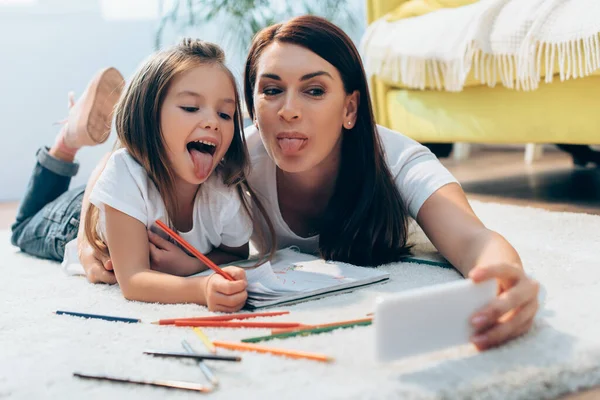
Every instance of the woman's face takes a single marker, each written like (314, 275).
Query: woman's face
(300, 106)
(197, 121)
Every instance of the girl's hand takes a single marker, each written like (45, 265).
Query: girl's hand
(511, 313)
(98, 269)
(171, 259)
(226, 296)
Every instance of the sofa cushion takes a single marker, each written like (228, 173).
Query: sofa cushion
(561, 112)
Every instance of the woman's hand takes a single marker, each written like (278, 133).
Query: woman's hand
(226, 296)
(511, 314)
(98, 269)
(169, 258)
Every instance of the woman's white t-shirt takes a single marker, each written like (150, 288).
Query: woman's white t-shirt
(416, 171)
(218, 218)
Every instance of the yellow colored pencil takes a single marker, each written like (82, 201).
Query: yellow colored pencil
(209, 345)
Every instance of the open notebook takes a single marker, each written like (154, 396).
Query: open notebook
(293, 277)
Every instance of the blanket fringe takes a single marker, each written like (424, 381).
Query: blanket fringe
(569, 60)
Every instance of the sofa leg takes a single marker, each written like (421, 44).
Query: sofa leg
(461, 151)
(533, 152)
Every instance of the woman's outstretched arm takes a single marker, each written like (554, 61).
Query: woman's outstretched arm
(480, 254)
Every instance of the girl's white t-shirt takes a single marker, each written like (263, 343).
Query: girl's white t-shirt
(415, 169)
(219, 217)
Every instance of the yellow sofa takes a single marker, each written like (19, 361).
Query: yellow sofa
(559, 112)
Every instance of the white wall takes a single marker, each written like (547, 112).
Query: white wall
(49, 47)
(43, 55)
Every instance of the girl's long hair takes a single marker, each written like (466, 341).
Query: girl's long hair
(366, 221)
(137, 120)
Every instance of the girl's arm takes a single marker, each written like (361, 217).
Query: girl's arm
(98, 269)
(129, 249)
(479, 253)
(171, 259)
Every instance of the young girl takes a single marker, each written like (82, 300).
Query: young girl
(182, 160)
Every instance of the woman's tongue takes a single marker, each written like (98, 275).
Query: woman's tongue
(202, 163)
(290, 145)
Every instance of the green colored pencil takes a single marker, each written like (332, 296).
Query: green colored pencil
(305, 332)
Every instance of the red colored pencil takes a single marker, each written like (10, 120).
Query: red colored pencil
(233, 324)
(225, 317)
(192, 250)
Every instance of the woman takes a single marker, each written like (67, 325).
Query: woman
(337, 184)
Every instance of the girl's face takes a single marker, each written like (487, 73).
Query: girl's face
(300, 106)
(197, 121)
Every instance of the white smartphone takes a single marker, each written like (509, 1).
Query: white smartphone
(430, 318)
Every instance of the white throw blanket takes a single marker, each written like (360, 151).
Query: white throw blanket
(511, 41)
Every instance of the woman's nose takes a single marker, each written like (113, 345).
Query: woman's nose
(290, 109)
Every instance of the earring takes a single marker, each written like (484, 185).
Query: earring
(349, 123)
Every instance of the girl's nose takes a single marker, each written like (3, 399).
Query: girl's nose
(209, 122)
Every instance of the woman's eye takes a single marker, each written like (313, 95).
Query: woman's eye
(271, 91)
(189, 109)
(316, 92)
(226, 117)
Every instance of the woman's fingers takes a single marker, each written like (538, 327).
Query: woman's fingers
(523, 292)
(159, 241)
(517, 324)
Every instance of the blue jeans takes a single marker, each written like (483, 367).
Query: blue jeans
(48, 216)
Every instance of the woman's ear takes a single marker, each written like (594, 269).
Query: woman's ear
(351, 109)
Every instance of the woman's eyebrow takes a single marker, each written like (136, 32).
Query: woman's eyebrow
(303, 78)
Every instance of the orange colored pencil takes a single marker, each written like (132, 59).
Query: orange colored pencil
(228, 317)
(192, 250)
(301, 327)
(235, 324)
(279, 352)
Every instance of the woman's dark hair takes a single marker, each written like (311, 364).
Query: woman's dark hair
(366, 221)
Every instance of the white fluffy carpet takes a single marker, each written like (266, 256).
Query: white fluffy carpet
(39, 350)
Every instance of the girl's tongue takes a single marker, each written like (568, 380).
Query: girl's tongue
(202, 163)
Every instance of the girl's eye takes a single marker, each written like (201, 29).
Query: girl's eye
(316, 92)
(189, 109)
(271, 91)
(226, 117)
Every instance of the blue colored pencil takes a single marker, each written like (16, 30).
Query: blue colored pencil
(97, 316)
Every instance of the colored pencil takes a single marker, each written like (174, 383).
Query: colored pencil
(192, 250)
(233, 324)
(225, 317)
(304, 332)
(278, 352)
(167, 384)
(195, 356)
(209, 345)
(303, 327)
(98, 316)
(203, 367)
